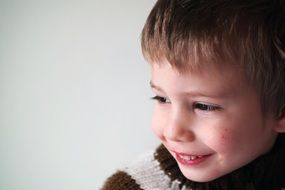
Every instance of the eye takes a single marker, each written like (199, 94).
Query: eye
(206, 107)
(161, 100)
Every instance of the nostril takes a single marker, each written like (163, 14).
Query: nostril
(179, 134)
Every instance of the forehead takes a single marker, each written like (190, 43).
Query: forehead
(210, 80)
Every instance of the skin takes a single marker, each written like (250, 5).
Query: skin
(214, 112)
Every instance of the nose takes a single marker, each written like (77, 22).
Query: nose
(179, 127)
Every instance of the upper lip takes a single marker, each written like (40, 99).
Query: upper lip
(190, 154)
(183, 154)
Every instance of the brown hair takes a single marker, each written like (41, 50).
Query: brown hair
(246, 33)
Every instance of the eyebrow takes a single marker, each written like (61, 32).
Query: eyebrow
(195, 94)
(152, 85)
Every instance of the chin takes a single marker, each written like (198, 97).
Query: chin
(200, 177)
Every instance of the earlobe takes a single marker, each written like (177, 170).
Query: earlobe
(280, 121)
(280, 127)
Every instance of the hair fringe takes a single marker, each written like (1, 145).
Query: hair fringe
(192, 34)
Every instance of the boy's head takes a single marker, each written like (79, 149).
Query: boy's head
(218, 70)
(191, 34)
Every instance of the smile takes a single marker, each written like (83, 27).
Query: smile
(191, 160)
(186, 157)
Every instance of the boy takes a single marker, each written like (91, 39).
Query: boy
(218, 70)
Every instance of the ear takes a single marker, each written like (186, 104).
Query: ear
(280, 122)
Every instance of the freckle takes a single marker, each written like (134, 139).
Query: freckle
(224, 134)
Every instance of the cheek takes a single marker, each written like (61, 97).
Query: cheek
(224, 141)
(225, 136)
(157, 126)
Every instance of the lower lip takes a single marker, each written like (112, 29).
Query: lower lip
(191, 162)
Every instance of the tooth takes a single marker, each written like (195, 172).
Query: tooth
(189, 157)
(186, 157)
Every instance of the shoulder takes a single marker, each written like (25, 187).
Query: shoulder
(146, 173)
(121, 181)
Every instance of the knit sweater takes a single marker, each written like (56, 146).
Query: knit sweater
(158, 170)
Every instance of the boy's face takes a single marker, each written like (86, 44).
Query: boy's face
(210, 121)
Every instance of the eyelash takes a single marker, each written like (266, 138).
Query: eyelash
(160, 99)
(197, 105)
(206, 107)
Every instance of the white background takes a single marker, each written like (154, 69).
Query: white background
(74, 92)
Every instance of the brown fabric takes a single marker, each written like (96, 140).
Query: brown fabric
(121, 181)
(168, 164)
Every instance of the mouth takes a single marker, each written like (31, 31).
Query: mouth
(191, 160)
(189, 157)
